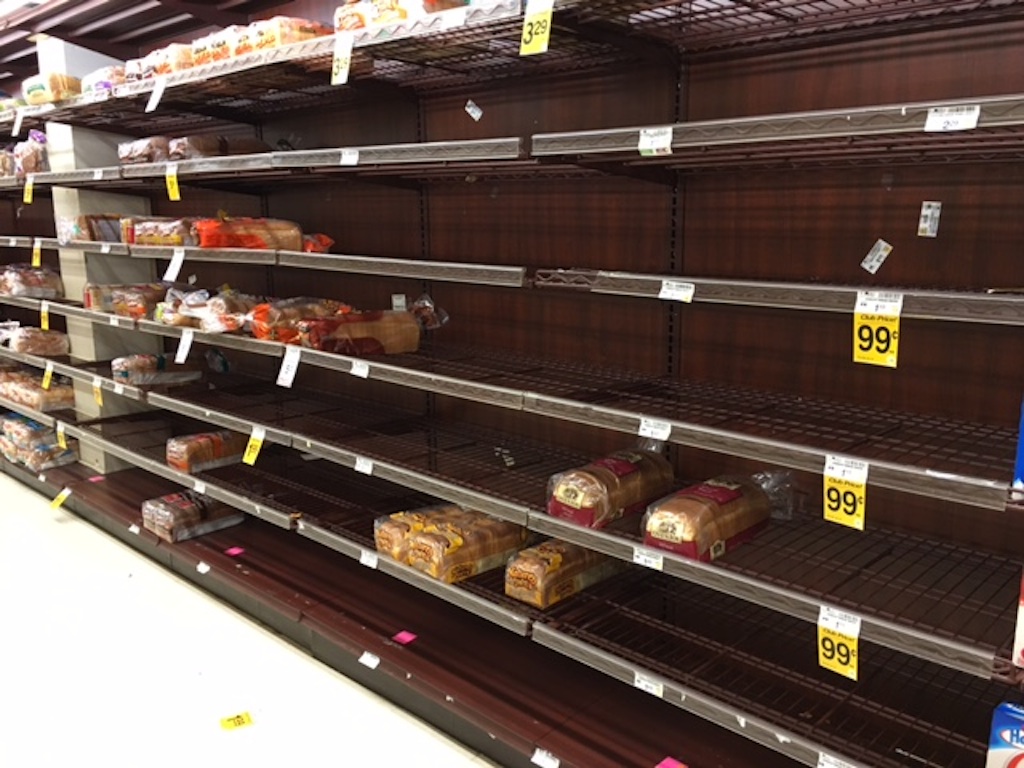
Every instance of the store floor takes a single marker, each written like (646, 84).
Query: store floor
(105, 656)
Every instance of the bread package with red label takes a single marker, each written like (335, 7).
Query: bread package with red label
(554, 570)
(35, 341)
(447, 542)
(153, 149)
(205, 450)
(279, 320)
(181, 516)
(623, 483)
(261, 234)
(153, 370)
(191, 147)
(34, 282)
(705, 521)
(362, 333)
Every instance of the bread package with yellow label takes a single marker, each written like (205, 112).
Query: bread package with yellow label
(706, 520)
(49, 88)
(623, 483)
(448, 542)
(554, 570)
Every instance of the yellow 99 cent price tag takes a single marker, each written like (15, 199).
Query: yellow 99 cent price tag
(173, 190)
(876, 328)
(252, 450)
(44, 315)
(838, 634)
(47, 375)
(28, 193)
(845, 491)
(236, 721)
(37, 253)
(536, 27)
(62, 439)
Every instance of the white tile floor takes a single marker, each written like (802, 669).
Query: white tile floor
(106, 658)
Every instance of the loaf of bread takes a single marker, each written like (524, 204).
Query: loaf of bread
(27, 390)
(31, 155)
(448, 542)
(264, 234)
(153, 149)
(101, 298)
(35, 341)
(50, 88)
(205, 450)
(26, 280)
(158, 231)
(167, 60)
(554, 570)
(45, 456)
(623, 483)
(362, 333)
(703, 521)
(103, 80)
(97, 227)
(280, 30)
(180, 516)
(23, 432)
(153, 370)
(279, 320)
(191, 147)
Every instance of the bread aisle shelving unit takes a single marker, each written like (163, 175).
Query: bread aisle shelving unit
(955, 619)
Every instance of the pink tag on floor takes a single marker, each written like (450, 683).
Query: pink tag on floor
(404, 637)
(97, 479)
(234, 551)
(670, 762)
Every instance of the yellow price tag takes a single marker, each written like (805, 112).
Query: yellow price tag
(252, 450)
(28, 193)
(44, 315)
(876, 339)
(97, 391)
(237, 721)
(536, 27)
(838, 634)
(60, 498)
(173, 190)
(47, 376)
(341, 65)
(62, 439)
(37, 253)
(845, 502)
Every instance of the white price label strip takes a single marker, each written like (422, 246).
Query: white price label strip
(655, 141)
(19, 117)
(105, 248)
(97, 175)
(399, 303)
(134, 529)
(184, 345)
(199, 487)
(888, 303)
(474, 111)
(203, 568)
(827, 761)
(648, 685)
(174, 268)
(876, 256)
(928, 223)
(360, 368)
(289, 366)
(341, 66)
(655, 429)
(648, 559)
(119, 389)
(364, 465)
(350, 157)
(369, 660)
(945, 119)
(368, 558)
(158, 93)
(544, 759)
(674, 290)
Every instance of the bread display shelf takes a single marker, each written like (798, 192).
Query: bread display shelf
(46, 419)
(215, 255)
(448, 271)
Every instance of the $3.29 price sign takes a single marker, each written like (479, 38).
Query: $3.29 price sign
(536, 27)
(838, 633)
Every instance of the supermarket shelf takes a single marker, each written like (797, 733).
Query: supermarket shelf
(226, 340)
(46, 419)
(848, 134)
(448, 271)
(918, 304)
(217, 255)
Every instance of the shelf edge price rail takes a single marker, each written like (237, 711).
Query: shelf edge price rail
(876, 328)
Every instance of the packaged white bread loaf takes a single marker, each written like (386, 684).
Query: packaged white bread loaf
(554, 570)
(706, 520)
(623, 483)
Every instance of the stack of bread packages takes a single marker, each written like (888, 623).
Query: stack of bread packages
(205, 450)
(706, 520)
(615, 486)
(26, 442)
(447, 542)
(180, 516)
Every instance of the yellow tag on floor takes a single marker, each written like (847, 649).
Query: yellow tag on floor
(173, 190)
(37, 253)
(536, 27)
(876, 328)
(838, 633)
(238, 721)
(47, 375)
(252, 450)
(845, 491)
(60, 498)
(28, 193)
